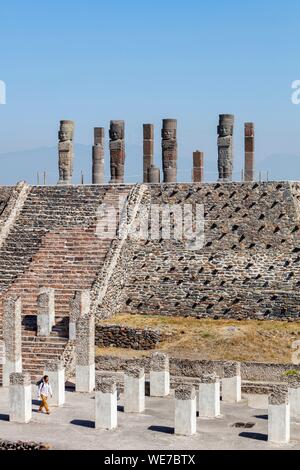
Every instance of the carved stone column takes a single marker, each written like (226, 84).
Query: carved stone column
(148, 149)
(169, 150)
(198, 167)
(249, 151)
(225, 147)
(65, 152)
(117, 151)
(98, 156)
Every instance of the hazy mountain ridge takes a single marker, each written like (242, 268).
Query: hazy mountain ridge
(24, 165)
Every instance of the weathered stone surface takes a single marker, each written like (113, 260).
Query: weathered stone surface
(279, 396)
(85, 341)
(209, 378)
(65, 152)
(232, 369)
(117, 151)
(80, 305)
(134, 371)
(249, 151)
(169, 150)
(148, 133)
(105, 384)
(159, 362)
(12, 311)
(98, 156)
(225, 146)
(17, 378)
(121, 336)
(185, 392)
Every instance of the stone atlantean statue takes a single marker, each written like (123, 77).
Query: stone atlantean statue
(249, 151)
(169, 150)
(65, 152)
(225, 146)
(198, 167)
(98, 156)
(117, 151)
(148, 149)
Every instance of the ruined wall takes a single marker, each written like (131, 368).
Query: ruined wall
(250, 371)
(121, 336)
(248, 268)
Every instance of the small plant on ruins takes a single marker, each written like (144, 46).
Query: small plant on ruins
(291, 373)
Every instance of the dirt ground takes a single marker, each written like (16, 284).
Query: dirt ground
(248, 340)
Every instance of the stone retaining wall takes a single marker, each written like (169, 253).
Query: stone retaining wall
(121, 336)
(250, 371)
(249, 266)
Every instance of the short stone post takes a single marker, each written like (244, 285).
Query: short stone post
(106, 403)
(12, 321)
(232, 383)
(134, 390)
(159, 375)
(45, 311)
(209, 396)
(20, 410)
(79, 307)
(279, 417)
(56, 374)
(294, 398)
(185, 411)
(85, 354)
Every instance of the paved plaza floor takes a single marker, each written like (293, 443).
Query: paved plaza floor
(72, 426)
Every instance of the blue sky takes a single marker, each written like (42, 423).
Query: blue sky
(92, 61)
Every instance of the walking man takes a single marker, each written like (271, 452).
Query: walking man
(44, 391)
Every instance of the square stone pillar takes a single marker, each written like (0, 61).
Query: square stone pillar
(56, 373)
(185, 411)
(232, 383)
(134, 390)
(294, 398)
(45, 311)
(12, 321)
(209, 396)
(79, 307)
(279, 417)
(198, 176)
(148, 132)
(159, 375)
(106, 403)
(85, 354)
(20, 410)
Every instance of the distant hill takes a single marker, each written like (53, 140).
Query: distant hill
(24, 165)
